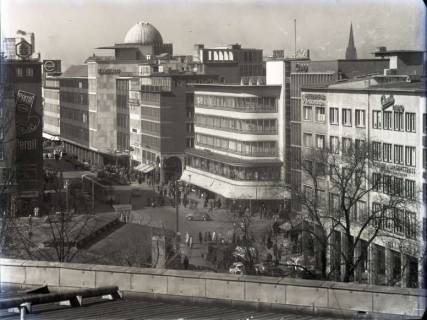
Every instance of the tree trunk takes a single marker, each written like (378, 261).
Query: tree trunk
(323, 261)
(349, 261)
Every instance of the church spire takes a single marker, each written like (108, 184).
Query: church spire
(350, 53)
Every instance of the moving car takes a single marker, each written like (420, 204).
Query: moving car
(198, 216)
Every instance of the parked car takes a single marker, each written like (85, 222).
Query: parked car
(237, 268)
(198, 216)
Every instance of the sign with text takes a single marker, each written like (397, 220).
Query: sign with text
(52, 66)
(313, 99)
(109, 71)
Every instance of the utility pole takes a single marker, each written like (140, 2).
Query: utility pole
(176, 206)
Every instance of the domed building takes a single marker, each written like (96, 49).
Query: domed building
(142, 42)
(143, 33)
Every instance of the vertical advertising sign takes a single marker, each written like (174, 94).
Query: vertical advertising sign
(28, 124)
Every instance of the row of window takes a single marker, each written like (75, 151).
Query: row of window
(247, 148)
(398, 221)
(74, 97)
(27, 72)
(122, 121)
(388, 152)
(73, 132)
(53, 121)
(388, 120)
(50, 107)
(234, 172)
(74, 114)
(246, 104)
(320, 116)
(75, 83)
(51, 94)
(151, 142)
(397, 121)
(268, 126)
(394, 185)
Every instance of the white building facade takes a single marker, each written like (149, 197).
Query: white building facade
(392, 119)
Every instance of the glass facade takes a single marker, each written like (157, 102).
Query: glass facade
(254, 126)
(241, 104)
(234, 172)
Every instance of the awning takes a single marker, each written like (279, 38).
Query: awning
(50, 137)
(145, 168)
(232, 189)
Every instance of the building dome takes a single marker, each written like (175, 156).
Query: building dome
(143, 33)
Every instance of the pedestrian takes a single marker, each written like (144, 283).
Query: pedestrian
(200, 237)
(206, 236)
(191, 242)
(213, 236)
(186, 262)
(187, 238)
(209, 236)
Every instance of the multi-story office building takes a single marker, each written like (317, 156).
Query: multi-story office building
(390, 114)
(236, 155)
(161, 120)
(94, 111)
(21, 134)
(51, 111)
(231, 63)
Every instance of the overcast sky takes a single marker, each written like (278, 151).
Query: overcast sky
(71, 29)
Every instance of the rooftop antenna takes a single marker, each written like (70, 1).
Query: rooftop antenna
(295, 36)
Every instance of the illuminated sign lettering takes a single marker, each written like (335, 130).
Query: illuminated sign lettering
(395, 169)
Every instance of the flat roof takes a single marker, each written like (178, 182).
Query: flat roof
(76, 71)
(132, 307)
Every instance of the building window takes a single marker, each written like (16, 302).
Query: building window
(308, 113)
(398, 154)
(308, 140)
(425, 192)
(410, 156)
(410, 122)
(425, 122)
(333, 115)
(320, 141)
(334, 144)
(29, 72)
(387, 184)
(346, 145)
(398, 221)
(19, 72)
(387, 152)
(376, 119)
(410, 189)
(398, 187)
(377, 210)
(320, 114)
(308, 193)
(376, 181)
(360, 118)
(410, 224)
(1, 151)
(376, 151)
(359, 146)
(388, 224)
(398, 121)
(346, 117)
(387, 120)
(425, 158)
(308, 166)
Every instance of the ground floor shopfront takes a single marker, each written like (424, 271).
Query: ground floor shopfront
(265, 198)
(378, 264)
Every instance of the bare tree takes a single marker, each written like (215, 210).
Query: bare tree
(64, 229)
(352, 179)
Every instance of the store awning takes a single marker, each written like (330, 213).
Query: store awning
(144, 168)
(232, 189)
(50, 137)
